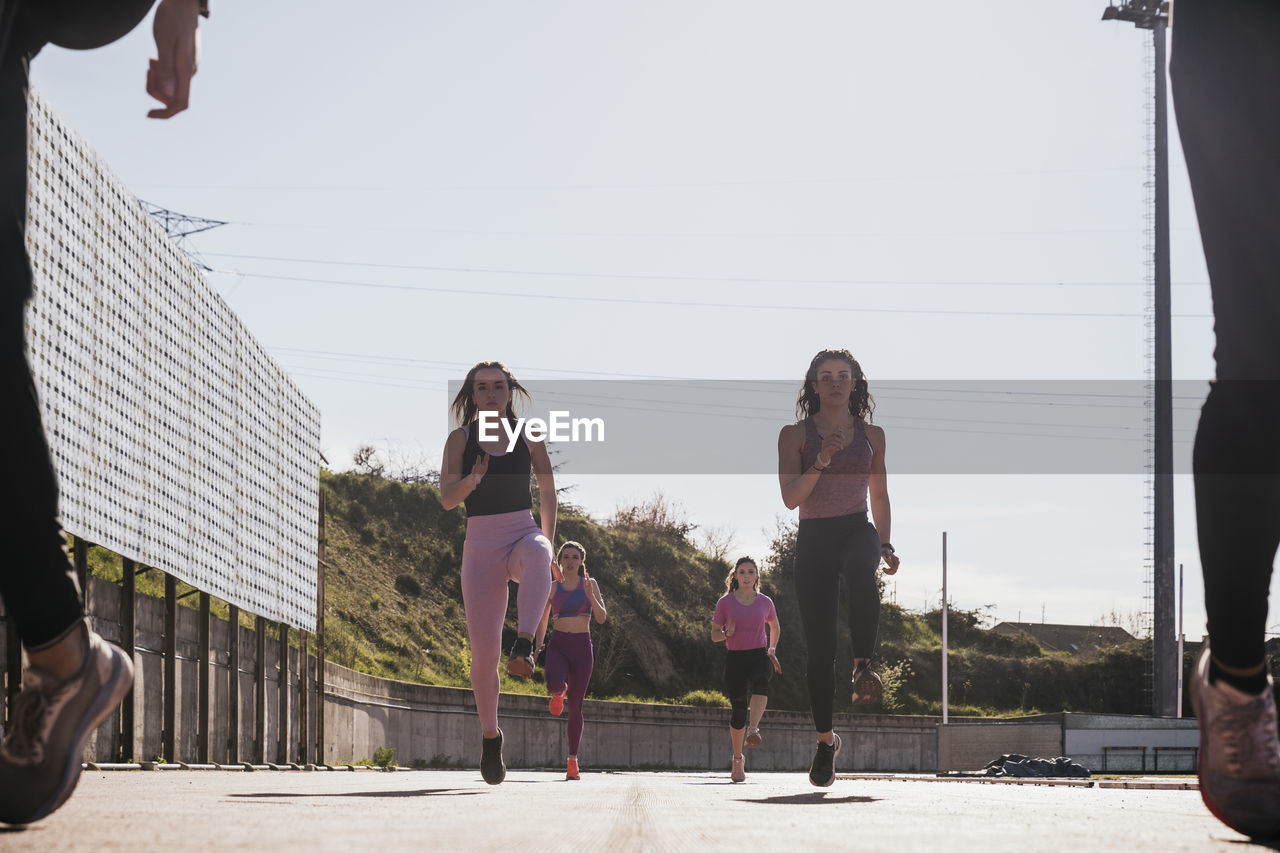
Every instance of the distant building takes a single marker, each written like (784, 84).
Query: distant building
(1073, 639)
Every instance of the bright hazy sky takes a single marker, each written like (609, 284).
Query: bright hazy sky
(951, 190)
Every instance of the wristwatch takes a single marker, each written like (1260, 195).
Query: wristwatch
(204, 8)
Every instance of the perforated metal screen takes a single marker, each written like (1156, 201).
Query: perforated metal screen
(178, 442)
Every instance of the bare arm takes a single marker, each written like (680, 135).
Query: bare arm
(456, 485)
(546, 488)
(542, 623)
(878, 489)
(797, 484)
(597, 601)
(177, 55)
(775, 631)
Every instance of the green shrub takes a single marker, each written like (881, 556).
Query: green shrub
(704, 699)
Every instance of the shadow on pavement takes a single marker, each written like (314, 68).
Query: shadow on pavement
(425, 792)
(1272, 843)
(812, 798)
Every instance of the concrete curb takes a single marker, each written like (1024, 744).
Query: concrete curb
(1135, 784)
(1132, 784)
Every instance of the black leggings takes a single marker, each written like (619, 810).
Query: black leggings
(836, 560)
(1224, 65)
(746, 673)
(37, 582)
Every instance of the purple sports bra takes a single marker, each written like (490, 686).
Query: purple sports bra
(574, 602)
(842, 488)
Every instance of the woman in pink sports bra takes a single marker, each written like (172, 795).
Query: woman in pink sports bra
(831, 465)
(575, 600)
(503, 542)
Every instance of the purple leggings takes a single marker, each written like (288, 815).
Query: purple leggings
(499, 548)
(569, 662)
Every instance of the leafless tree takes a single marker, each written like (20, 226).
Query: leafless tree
(718, 542)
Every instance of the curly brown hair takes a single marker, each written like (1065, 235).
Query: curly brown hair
(861, 404)
(731, 582)
(464, 404)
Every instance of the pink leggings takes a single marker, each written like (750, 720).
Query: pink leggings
(499, 548)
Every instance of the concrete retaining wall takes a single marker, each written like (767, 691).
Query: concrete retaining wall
(969, 746)
(1101, 742)
(439, 725)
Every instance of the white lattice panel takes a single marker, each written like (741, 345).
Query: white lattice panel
(178, 441)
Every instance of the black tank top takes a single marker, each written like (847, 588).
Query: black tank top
(505, 486)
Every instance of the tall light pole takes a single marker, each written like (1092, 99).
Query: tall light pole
(1154, 15)
(945, 687)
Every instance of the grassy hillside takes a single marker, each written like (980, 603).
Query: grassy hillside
(394, 608)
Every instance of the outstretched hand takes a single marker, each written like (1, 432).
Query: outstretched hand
(178, 55)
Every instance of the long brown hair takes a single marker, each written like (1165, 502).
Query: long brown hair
(861, 404)
(731, 582)
(464, 405)
(582, 567)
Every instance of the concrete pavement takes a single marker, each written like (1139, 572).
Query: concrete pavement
(438, 810)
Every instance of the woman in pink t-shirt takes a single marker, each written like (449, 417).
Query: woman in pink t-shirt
(740, 620)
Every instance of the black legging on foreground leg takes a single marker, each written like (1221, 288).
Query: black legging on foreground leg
(836, 560)
(1226, 73)
(36, 581)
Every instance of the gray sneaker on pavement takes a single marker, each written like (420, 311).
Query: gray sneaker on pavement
(822, 772)
(1239, 753)
(40, 757)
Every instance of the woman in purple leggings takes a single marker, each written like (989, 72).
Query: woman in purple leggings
(570, 658)
(740, 620)
(503, 542)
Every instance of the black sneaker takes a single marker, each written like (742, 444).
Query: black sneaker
(521, 663)
(491, 766)
(867, 686)
(822, 772)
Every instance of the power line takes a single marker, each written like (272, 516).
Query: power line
(743, 182)
(1060, 399)
(737, 411)
(873, 282)
(672, 303)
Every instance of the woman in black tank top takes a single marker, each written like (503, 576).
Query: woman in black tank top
(837, 548)
(488, 471)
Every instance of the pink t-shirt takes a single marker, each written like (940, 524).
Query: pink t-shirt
(748, 621)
